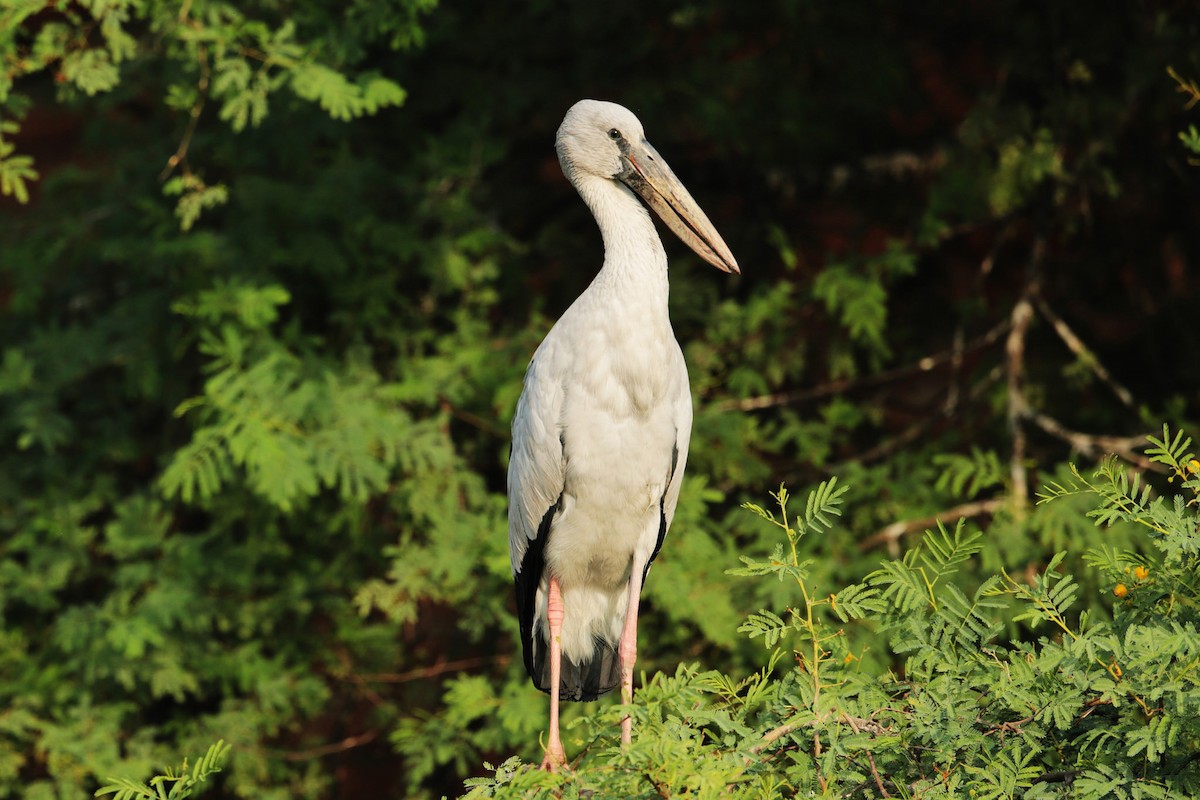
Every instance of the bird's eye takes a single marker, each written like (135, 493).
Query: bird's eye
(614, 134)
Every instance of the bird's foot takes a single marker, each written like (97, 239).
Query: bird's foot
(555, 759)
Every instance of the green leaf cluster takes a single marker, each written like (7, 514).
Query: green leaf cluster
(1075, 704)
(182, 782)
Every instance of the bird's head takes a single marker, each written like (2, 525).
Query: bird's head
(606, 140)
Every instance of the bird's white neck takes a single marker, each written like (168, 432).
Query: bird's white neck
(635, 263)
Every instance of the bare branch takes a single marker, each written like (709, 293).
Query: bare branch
(1081, 350)
(432, 671)
(1097, 445)
(870, 759)
(857, 723)
(913, 432)
(1022, 314)
(488, 426)
(180, 154)
(891, 534)
(926, 364)
(1185, 86)
(349, 743)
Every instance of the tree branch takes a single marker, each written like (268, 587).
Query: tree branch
(1081, 350)
(180, 154)
(349, 743)
(857, 723)
(1097, 444)
(434, 670)
(891, 534)
(926, 364)
(913, 432)
(1022, 315)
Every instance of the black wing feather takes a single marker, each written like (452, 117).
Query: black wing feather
(588, 680)
(662, 514)
(526, 581)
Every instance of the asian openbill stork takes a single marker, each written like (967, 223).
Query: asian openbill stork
(601, 431)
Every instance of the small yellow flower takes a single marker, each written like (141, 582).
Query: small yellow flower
(1193, 466)
(1141, 573)
(1121, 590)
(1116, 670)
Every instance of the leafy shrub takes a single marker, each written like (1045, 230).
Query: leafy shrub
(1003, 689)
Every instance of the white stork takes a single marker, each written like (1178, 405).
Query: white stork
(601, 431)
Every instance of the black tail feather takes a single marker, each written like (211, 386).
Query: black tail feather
(601, 672)
(598, 675)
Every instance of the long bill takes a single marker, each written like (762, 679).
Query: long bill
(648, 175)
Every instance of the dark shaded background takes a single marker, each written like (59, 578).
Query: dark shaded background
(916, 195)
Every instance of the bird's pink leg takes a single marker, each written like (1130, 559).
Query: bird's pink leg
(627, 649)
(555, 756)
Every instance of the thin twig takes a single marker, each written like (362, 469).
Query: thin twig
(773, 735)
(817, 761)
(843, 385)
(349, 743)
(488, 426)
(434, 670)
(891, 534)
(770, 736)
(347, 665)
(1022, 314)
(1097, 444)
(956, 362)
(870, 759)
(1012, 726)
(1187, 87)
(913, 432)
(1085, 355)
(180, 154)
(659, 789)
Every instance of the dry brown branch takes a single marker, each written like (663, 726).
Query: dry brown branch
(432, 671)
(956, 362)
(349, 743)
(659, 789)
(913, 432)
(1185, 86)
(870, 759)
(891, 534)
(180, 154)
(1022, 315)
(1012, 726)
(857, 723)
(1085, 355)
(488, 426)
(926, 364)
(1096, 445)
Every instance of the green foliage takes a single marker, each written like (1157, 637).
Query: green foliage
(182, 783)
(269, 279)
(1091, 707)
(194, 198)
(859, 297)
(15, 170)
(966, 475)
(227, 52)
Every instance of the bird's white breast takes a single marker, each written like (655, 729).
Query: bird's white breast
(621, 423)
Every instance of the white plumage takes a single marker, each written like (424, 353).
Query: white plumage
(600, 435)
